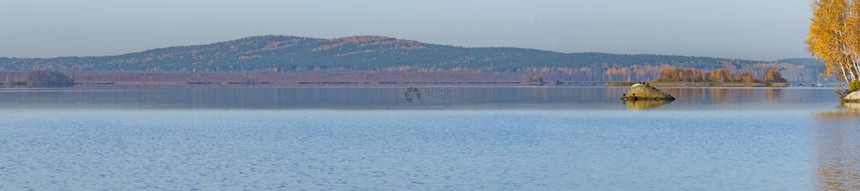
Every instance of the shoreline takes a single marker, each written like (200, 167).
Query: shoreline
(706, 84)
(406, 84)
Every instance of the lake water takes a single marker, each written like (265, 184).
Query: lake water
(426, 138)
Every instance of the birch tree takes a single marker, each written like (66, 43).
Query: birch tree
(834, 37)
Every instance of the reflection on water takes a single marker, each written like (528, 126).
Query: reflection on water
(852, 107)
(645, 104)
(384, 97)
(727, 95)
(845, 110)
(772, 93)
(837, 149)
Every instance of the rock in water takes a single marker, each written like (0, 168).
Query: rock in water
(853, 97)
(642, 91)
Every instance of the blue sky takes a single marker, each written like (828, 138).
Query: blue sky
(746, 29)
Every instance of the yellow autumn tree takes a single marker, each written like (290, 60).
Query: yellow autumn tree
(773, 76)
(747, 77)
(834, 37)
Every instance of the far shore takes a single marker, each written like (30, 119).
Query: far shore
(352, 78)
(337, 83)
(419, 83)
(706, 84)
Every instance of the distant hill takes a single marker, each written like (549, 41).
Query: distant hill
(358, 52)
(807, 62)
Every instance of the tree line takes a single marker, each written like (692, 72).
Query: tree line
(37, 78)
(721, 75)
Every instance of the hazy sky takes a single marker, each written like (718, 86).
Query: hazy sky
(748, 29)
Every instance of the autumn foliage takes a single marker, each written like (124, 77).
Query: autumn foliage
(721, 75)
(773, 76)
(834, 37)
(854, 86)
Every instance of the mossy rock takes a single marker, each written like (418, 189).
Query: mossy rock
(853, 97)
(642, 91)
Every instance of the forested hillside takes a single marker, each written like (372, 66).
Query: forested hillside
(359, 52)
(375, 53)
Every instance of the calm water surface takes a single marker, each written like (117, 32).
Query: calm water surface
(392, 138)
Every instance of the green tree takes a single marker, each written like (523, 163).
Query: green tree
(854, 85)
